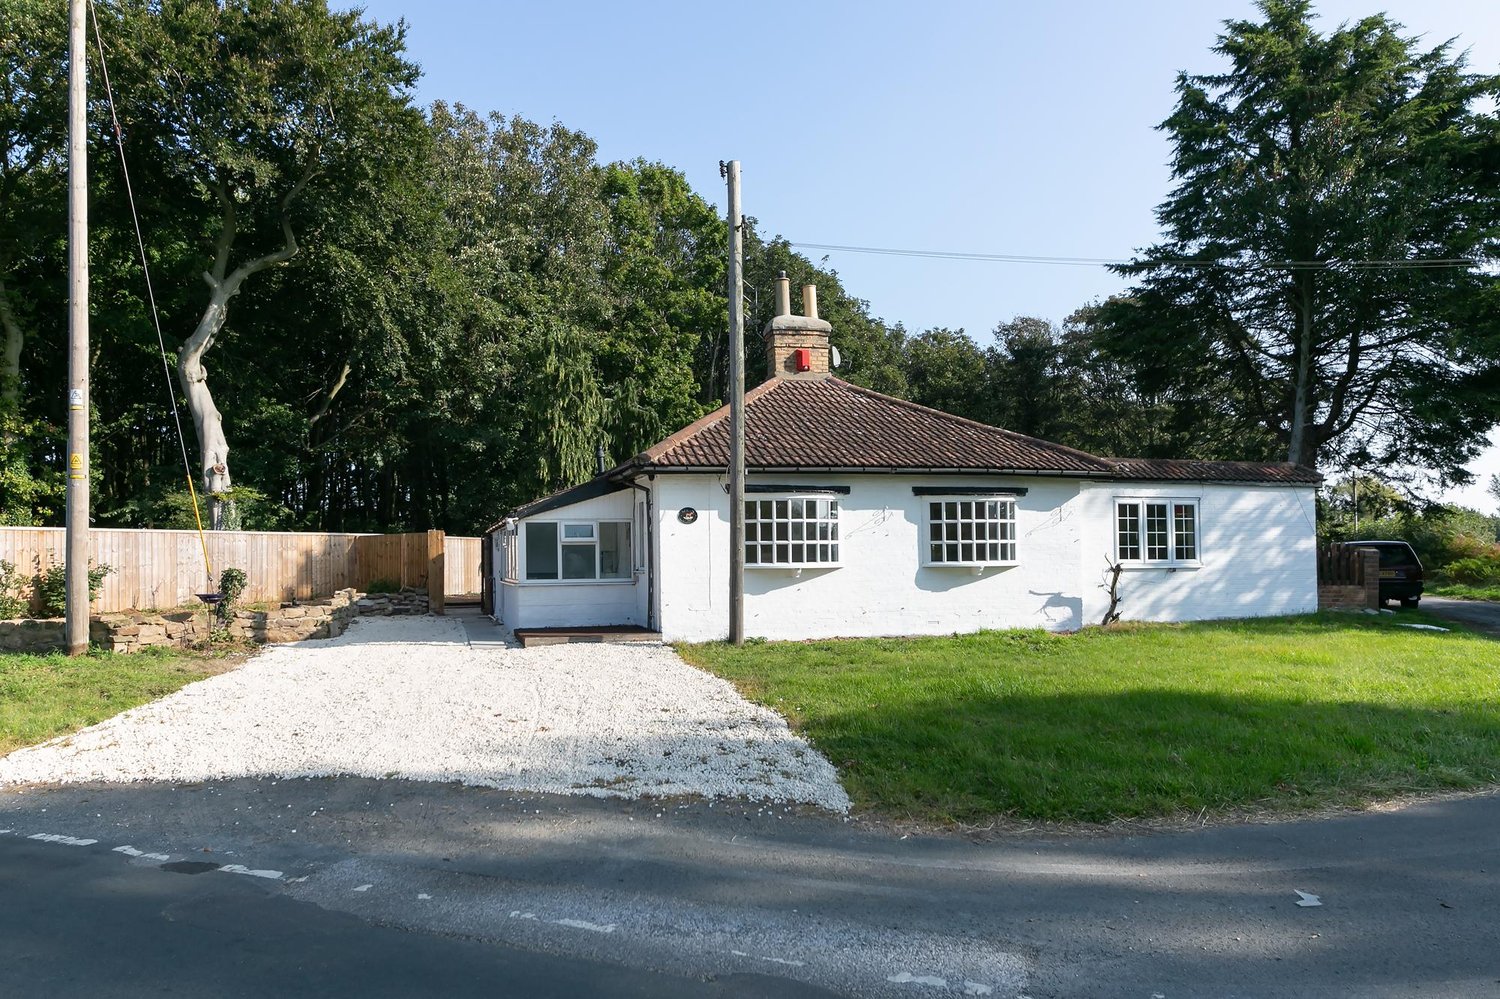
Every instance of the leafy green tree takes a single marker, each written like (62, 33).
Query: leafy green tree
(241, 111)
(1033, 390)
(1312, 159)
(33, 114)
(945, 369)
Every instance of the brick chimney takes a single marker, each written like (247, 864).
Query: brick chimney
(797, 346)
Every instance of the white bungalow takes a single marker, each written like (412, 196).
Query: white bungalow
(871, 515)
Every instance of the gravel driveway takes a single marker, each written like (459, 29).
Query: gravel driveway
(408, 697)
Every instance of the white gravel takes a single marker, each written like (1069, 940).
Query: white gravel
(408, 697)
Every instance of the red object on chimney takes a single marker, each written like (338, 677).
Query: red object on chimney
(802, 359)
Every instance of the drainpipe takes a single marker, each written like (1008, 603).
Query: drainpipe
(650, 554)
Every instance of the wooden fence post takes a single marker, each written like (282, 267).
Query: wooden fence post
(435, 569)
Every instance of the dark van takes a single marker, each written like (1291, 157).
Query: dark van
(1400, 570)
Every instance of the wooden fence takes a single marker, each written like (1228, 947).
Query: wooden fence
(1341, 565)
(160, 569)
(461, 567)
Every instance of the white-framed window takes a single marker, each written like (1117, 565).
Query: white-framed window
(564, 550)
(507, 542)
(792, 531)
(1156, 531)
(970, 530)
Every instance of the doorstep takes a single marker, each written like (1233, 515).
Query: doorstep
(613, 633)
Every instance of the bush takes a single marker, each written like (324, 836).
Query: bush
(52, 587)
(383, 585)
(12, 604)
(231, 588)
(1481, 570)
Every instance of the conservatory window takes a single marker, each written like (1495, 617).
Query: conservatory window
(578, 550)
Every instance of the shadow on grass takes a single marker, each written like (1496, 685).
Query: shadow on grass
(1095, 757)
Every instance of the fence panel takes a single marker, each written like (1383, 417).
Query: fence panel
(461, 571)
(162, 569)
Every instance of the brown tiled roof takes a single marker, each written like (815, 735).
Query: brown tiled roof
(1184, 470)
(829, 423)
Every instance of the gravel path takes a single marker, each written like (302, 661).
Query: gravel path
(408, 697)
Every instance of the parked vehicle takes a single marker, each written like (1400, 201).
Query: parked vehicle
(1400, 570)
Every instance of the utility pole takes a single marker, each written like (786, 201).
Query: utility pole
(76, 554)
(731, 171)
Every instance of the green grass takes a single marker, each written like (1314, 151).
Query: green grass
(1464, 591)
(1137, 721)
(42, 696)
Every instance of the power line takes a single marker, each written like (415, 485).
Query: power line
(1422, 263)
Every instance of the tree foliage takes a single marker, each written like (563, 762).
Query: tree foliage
(1312, 160)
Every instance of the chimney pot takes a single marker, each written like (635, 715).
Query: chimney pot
(783, 295)
(810, 301)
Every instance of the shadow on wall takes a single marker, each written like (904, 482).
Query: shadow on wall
(1249, 587)
(759, 581)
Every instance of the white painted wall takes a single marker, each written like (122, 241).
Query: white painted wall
(571, 603)
(882, 587)
(1258, 546)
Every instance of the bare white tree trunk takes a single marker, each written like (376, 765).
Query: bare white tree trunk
(208, 422)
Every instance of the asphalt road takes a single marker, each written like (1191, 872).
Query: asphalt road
(1481, 615)
(80, 922)
(360, 885)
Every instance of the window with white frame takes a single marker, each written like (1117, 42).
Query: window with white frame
(506, 541)
(792, 531)
(1156, 531)
(577, 550)
(971, 530)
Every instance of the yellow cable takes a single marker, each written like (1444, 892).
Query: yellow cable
(202, 539)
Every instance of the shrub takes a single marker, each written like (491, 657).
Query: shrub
(1477, 571)
(12, 604)
(231, 587)
(52, 587)
(383, 585)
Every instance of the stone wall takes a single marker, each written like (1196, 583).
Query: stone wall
(292, 622)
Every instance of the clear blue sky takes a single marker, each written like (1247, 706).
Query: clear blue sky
(995, 127)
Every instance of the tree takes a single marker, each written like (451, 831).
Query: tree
(1493, 488)
(1301, 170)
(945, 369)
(33, 116)
(1035, 391)
(242, 110)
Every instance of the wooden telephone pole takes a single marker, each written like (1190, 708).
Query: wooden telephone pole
(76, 548)
(731, 171)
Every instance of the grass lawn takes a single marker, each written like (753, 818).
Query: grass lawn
(42, 696)
(1141, 720)
(1463, 591)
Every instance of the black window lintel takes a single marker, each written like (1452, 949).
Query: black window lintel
(968, 490)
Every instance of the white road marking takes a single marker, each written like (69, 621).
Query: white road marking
(131, 851)
(907, 978)
(64, 840)
(242, 869)
(583, 924)
(423, 896)
(1307, 898)
(364, 887)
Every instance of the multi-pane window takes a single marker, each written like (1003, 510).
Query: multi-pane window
(1163, 530)
(580, 550)
(792, 531)
(979, 531)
